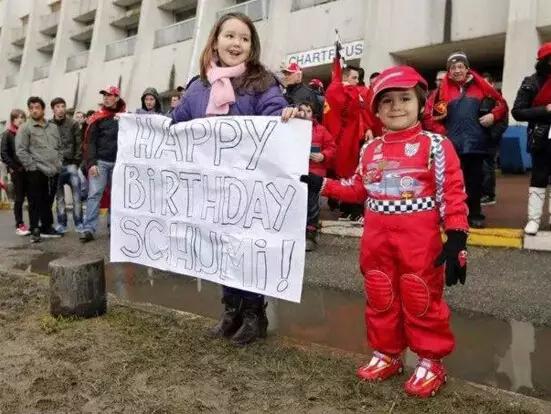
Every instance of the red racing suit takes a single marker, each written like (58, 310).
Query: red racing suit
(411, 183)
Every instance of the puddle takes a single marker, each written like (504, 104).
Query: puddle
(510, 355)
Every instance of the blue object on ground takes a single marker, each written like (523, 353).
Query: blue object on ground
(513, 154)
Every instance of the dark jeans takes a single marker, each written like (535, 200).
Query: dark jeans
(226, 290)
(19, 180)
(541, 167)
(352, 209)
(313, 214)
(471, 164)
(41, 191)
(489, 171)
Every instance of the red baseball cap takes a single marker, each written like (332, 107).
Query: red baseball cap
(316, 82)
(396, 77)
(544, 51)
(110, 90)
(292, 68)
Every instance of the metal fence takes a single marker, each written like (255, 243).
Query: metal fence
(11, 81)
(175, 33)
(77, 61)
(120, 48)
(255, 9)
(41, 72)
(304, 4)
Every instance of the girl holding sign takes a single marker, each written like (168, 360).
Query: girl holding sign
(232, 81)
(411, 183)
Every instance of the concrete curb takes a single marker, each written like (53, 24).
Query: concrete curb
(490, 237)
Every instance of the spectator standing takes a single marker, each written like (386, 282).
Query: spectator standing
(455, 111)
(101, 155)
(296, 91)
(71, 140)
(533, 105)
(322, 152)
(343, 117)
(151, 103)
(174, 101)
(317, 86)
(233, 82)
(38, 147)
(16, 169)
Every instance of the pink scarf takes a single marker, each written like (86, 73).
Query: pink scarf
(221, 92)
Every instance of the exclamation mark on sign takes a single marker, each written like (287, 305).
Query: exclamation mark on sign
(287, 248)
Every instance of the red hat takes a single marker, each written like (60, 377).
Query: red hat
(110, 90)
(316, 82)
(400, 77)
(544, 51)
(292, 68)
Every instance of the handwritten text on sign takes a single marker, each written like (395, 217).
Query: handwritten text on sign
(217, 198)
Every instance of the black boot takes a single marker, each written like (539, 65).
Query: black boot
(255, 322)
(231, 319)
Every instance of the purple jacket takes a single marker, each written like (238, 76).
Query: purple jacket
(194, 103)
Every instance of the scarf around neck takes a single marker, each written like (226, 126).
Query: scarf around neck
(222, 94)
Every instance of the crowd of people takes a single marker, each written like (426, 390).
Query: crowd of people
(397, 158)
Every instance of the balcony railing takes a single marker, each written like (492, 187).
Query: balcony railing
(41, 72)
(255, 9)
(304, 4)
(173, 5)
(18, 35)
(15, 55)
(120, 48)
(47, 46)
(77, 61)
(175, 33)
(86, 11)
(83, 34)
(49, 22)
(126, 3)
(11, 81)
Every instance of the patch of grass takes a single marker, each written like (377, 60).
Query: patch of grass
(51, 325)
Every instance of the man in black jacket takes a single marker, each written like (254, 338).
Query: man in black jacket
(533, 105)
(296, 92)
(71, 137)
(16, 169)
(101, 154)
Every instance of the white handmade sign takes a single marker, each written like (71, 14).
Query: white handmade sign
(216, 198)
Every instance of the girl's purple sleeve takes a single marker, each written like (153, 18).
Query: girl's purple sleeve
(182, 112)
(271, 102)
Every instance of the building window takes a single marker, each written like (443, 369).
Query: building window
(304, 4)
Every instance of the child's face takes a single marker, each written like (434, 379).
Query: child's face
(307, 111)
(398, 109)
(233, 43)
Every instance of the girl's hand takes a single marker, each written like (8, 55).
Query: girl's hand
(289, 113)
(317, 156)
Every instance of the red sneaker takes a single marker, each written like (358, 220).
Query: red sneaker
(380, 368)
(429, 376)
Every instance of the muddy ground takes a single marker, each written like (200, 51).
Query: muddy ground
(143, 359)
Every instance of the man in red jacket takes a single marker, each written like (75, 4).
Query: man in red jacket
(457, 111)
(343, 118)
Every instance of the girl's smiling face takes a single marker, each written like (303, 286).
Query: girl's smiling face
(398, 109)
(233, 44)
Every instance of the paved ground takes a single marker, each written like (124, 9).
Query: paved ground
(504, 283)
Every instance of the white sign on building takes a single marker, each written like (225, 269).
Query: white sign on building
(217, 198)
(325, 55)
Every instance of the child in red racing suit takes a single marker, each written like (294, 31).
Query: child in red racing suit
(411, 183)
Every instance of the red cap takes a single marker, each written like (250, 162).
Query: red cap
(400, 77)
(110, 90)
(544, 51)
(316, 82)
(292, 68)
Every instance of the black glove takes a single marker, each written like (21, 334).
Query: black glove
(314, 182)
(454, 254)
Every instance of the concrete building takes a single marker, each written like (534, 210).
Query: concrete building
(72, 48)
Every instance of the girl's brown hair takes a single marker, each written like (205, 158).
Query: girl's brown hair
(256, 78)
(16, 113)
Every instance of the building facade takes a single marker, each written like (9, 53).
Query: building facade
(72, 48)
